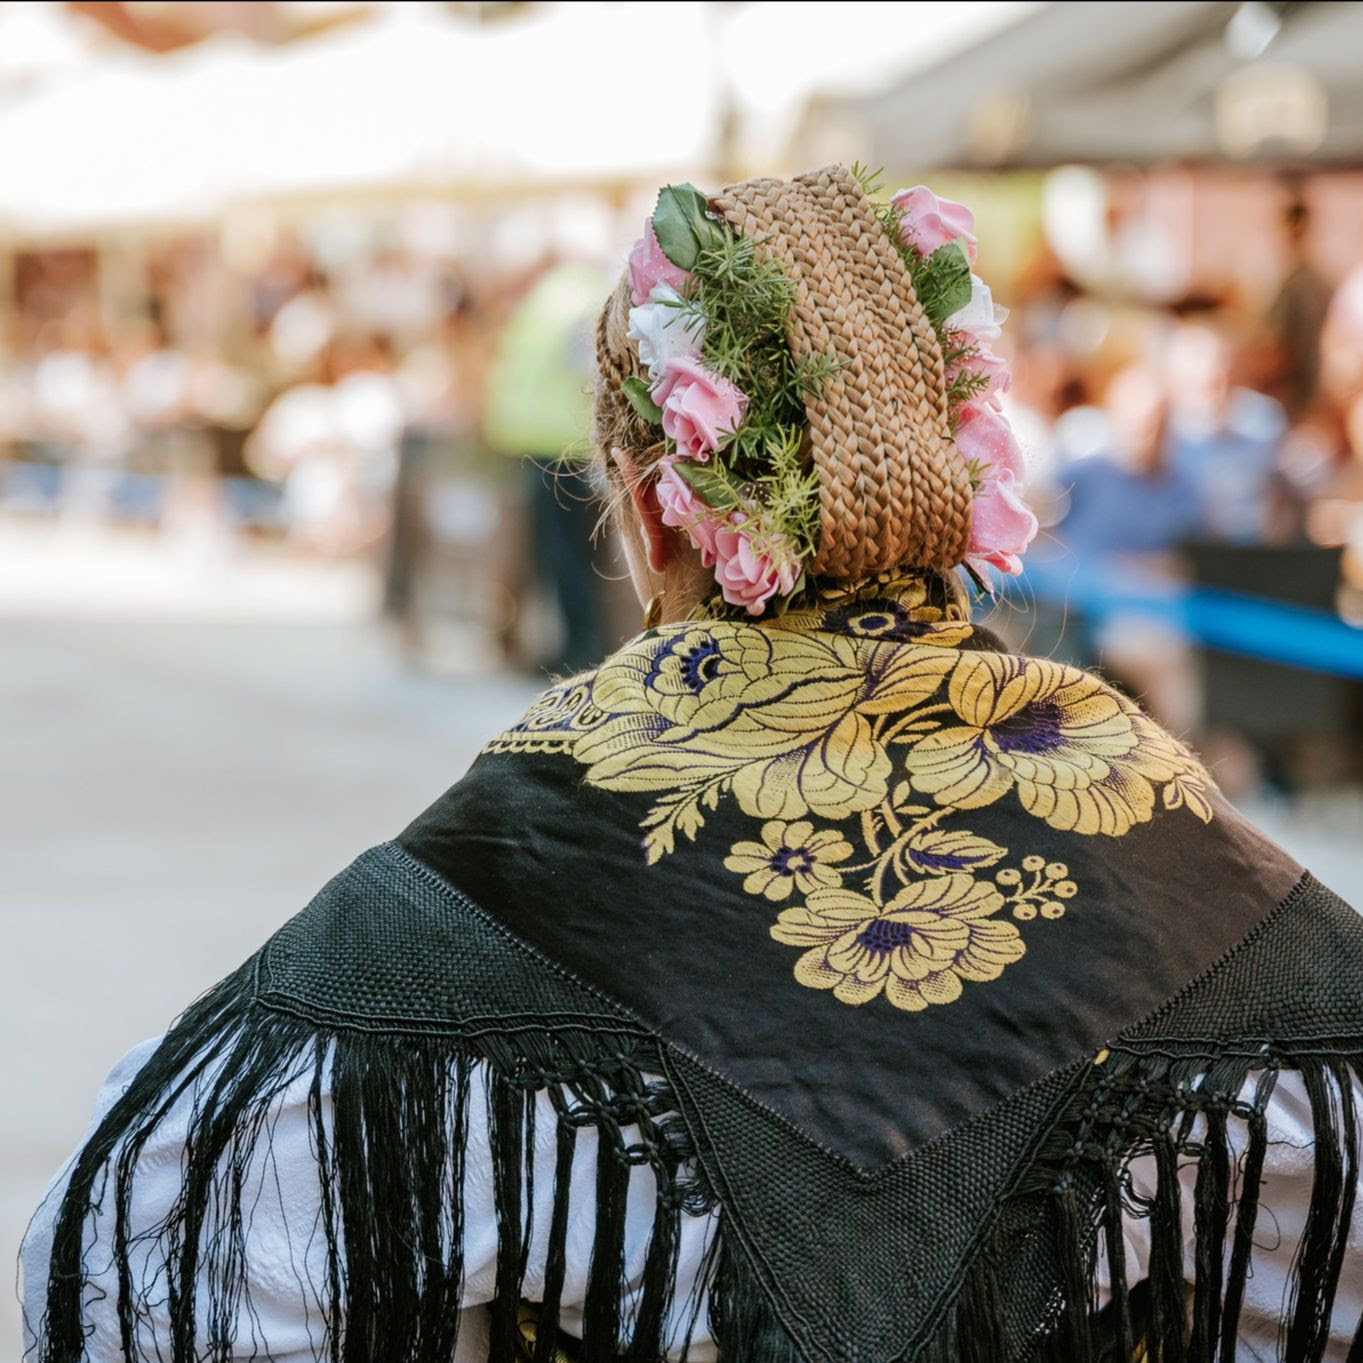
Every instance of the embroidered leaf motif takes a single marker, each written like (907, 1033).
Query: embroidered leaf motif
(858, 740)
(678, 812)
(941, 851)
(1188, 790)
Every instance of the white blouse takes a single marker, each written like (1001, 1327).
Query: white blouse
(285, 1267)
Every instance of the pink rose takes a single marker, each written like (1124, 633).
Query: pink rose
(699, 407)
(648, 268)
(930, 222)
(984, 440)
(683, 509)
(749, 575)
(988, 365)
(1001, 525)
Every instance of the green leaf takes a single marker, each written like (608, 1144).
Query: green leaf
(947, 280)
(778, 606)
(683, 225)
(673, 219)
(709, 483)
(636, 390)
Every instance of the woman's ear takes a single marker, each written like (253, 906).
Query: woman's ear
(643, 493)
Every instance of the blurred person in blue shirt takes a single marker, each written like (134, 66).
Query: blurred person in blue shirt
(1127, 511)
(1129, 499)
(1224, 440)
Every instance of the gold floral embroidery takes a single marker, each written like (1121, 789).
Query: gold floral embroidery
(790, 724)
(790, 856)
(861, 734)
(894, 607)
(918, 948)
(1079, 755)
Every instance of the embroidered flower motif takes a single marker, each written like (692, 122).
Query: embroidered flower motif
(895, 608)
(785, 721)
(791, 856)
(1078, 755)
(918, 949)
(827, 717)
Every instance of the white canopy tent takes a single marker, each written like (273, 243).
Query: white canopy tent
(414, 100)
(1131, 81)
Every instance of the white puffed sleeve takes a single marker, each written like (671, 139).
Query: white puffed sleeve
(280, 1313)
(280, 1316)
(1284, 1197)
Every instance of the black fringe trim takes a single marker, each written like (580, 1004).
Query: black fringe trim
(389, 1143)
(1067, 1211)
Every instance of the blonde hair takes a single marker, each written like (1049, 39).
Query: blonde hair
(615, 423)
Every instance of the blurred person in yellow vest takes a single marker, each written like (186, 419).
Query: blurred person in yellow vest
(537, 407)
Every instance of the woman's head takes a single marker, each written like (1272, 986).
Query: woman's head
(796, 381)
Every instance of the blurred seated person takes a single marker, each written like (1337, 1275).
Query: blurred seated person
(1128, 512)
(1128, 499)
(1224, 440)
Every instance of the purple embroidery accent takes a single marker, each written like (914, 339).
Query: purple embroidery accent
(883, 935)
(943, 861)
(791, 861)
(1035, 729)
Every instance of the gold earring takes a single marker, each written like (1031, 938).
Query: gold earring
(653, 612)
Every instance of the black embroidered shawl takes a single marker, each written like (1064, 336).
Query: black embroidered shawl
(892, 948)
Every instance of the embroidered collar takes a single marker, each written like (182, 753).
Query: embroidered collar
(904, 606)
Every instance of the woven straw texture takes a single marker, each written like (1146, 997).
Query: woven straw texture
(892, 489)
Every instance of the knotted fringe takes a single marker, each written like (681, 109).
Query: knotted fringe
(1050, 1279)
(388, 1116)
(1047, 1279)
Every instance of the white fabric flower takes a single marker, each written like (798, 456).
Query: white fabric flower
(981, 317)
(665, 328)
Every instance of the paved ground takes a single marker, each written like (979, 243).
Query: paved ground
(171, 792)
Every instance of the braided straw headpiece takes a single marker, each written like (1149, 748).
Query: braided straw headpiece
(892, 489)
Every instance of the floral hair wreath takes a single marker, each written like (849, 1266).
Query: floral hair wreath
(709, 320)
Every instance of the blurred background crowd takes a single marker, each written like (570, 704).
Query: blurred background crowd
(308, 282)
(296, 314)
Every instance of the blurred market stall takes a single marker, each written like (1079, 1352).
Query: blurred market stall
(412, 99)
(265, 269)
